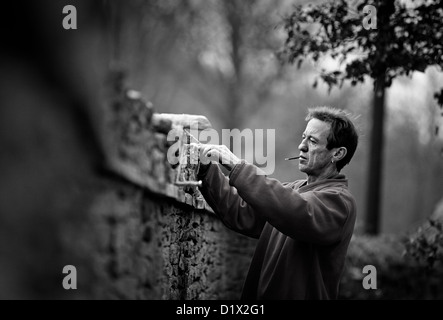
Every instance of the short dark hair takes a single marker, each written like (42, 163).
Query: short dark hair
(343, 132)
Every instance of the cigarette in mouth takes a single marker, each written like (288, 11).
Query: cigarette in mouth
(292, 158)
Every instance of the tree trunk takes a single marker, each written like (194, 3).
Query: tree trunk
(233, 12)
(385, 9)
(372, 225)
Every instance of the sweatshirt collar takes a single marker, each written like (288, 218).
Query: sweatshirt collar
(339, 178)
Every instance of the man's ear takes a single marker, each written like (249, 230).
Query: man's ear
(339, 154)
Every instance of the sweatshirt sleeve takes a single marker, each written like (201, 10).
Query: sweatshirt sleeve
(227, 204)
(314, 216)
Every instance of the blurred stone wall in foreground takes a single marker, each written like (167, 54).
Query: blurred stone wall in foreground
(85, 180)
(107, 206)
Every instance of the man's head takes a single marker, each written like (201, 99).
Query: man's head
(328, 143)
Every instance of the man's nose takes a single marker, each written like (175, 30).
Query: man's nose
(303, 146)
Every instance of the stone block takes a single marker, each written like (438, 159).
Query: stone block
(181, 120)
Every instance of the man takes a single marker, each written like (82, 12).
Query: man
(304, 227)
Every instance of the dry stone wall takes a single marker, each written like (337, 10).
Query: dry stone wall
(156, 239)
(93, 189)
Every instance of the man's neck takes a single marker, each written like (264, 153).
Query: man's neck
(324, 176)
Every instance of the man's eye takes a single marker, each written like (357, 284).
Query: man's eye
(313, 140)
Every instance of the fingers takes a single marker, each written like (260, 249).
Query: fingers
(218, 153)
(214, 152)
(208, 153)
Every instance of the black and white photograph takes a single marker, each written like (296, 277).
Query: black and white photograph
(220, 154)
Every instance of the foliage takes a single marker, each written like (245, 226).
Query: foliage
(426, 246)
(407, 267)
(407, 38)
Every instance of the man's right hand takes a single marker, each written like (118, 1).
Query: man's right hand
(219, 153)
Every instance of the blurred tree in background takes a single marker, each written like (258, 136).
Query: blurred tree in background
(408, 37)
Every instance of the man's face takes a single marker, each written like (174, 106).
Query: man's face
(315, 157)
